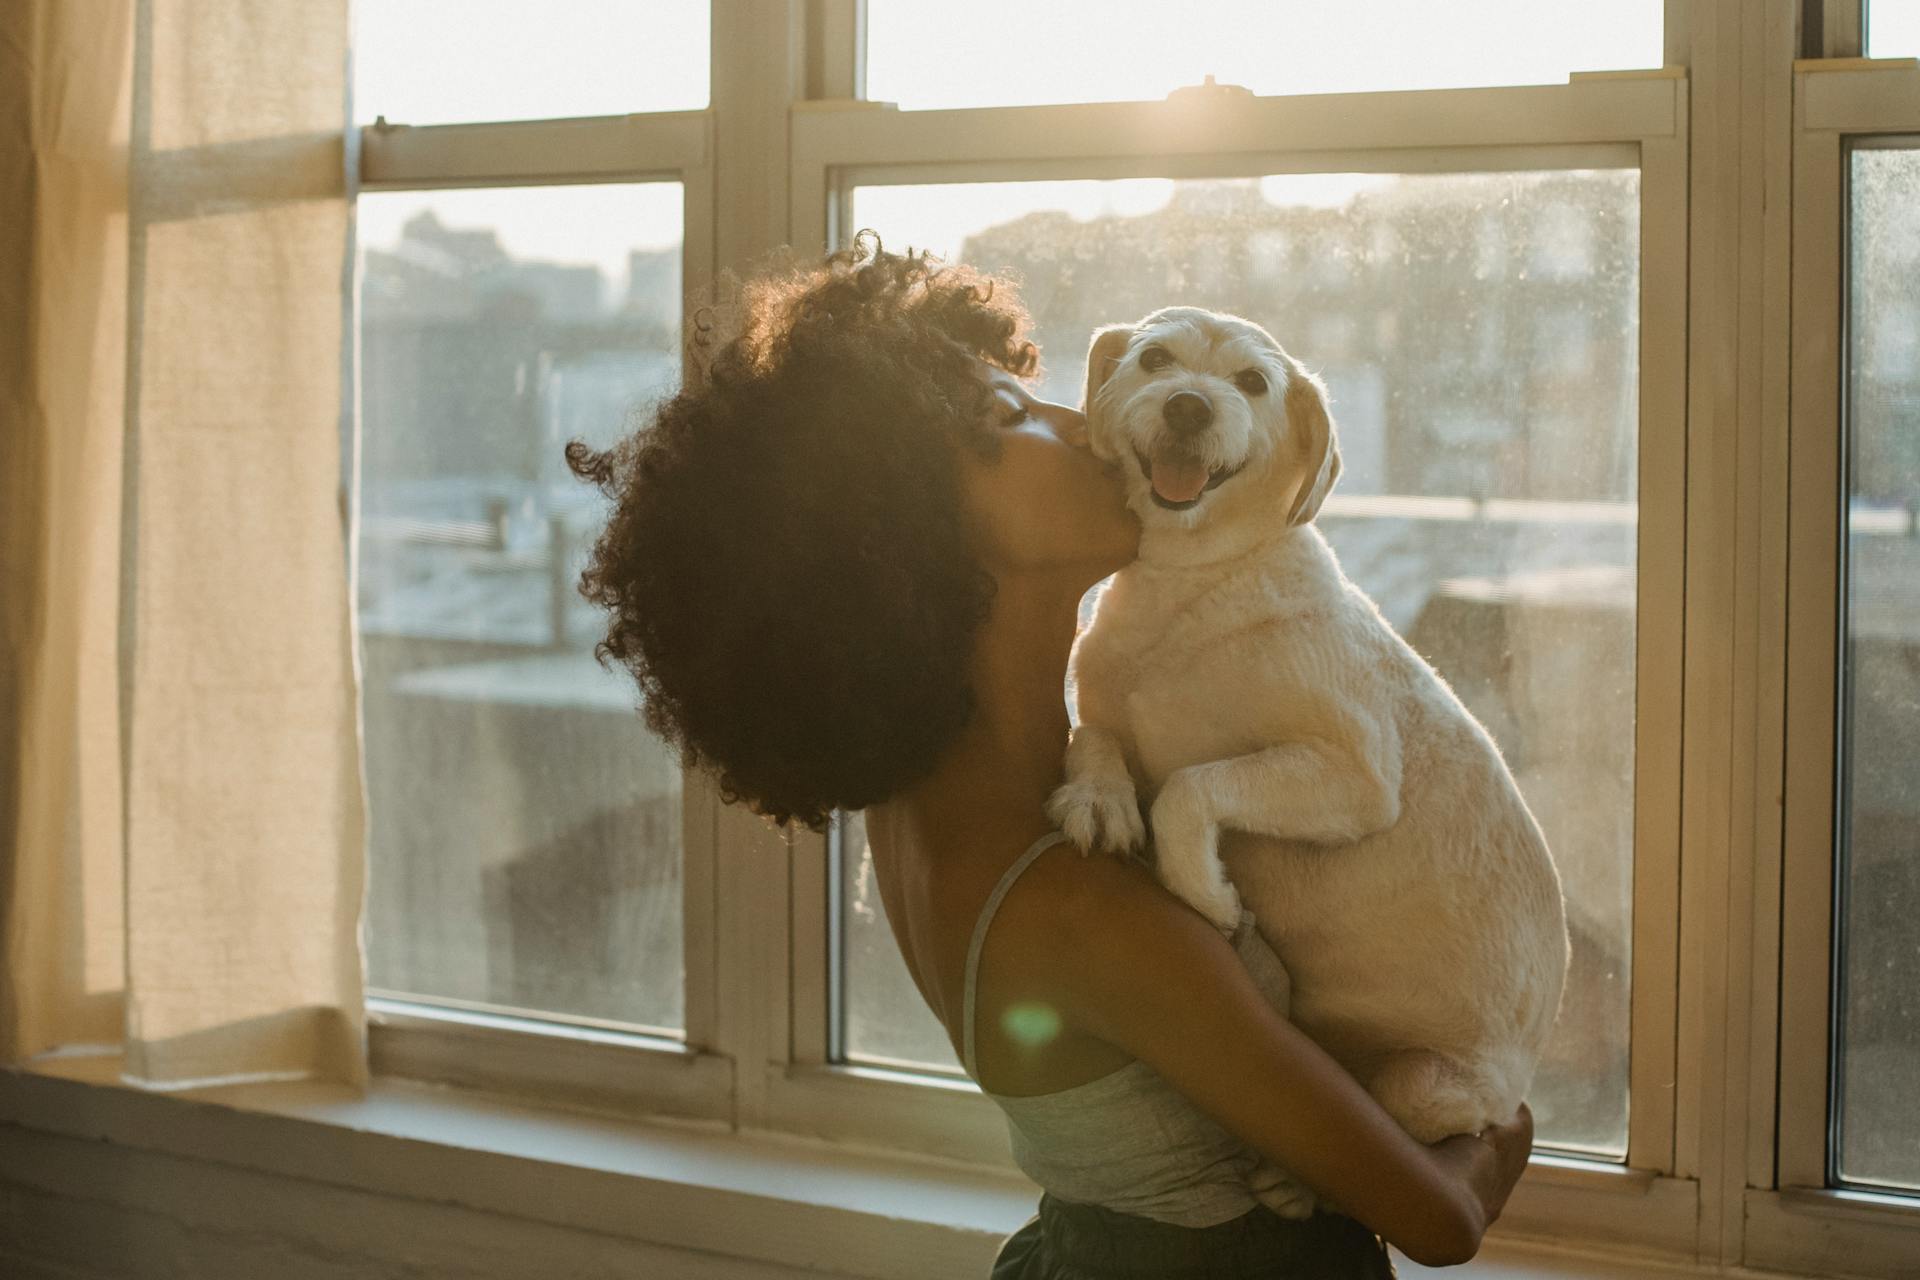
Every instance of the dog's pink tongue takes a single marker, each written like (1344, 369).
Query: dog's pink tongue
(1178, 479)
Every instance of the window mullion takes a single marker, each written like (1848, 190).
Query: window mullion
(1658, 666)
(1842, 28)
(836, 49)
(757, 74)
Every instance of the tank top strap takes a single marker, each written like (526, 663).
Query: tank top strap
(1013, 873)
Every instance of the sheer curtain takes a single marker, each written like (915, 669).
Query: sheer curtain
(181, 845)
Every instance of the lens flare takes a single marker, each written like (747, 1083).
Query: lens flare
(1031, 1024)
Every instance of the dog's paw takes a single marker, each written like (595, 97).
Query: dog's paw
(1275, 1188)
(1220, 904)
(1096, 816)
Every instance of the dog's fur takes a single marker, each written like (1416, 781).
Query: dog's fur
(1236, 682)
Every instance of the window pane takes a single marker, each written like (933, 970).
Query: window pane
(1879, 942)
(446, 61)
(1479, 336)
(885, 1021)
(525, 839)
(1893, 28)
(950, 53)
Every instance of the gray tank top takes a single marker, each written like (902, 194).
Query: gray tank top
(1127, 1141)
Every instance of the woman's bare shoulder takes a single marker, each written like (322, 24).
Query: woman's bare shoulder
(1103, 933)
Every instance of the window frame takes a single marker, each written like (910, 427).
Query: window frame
(1801, 1218)
(420, 1040)
(1726, 1155)
(1636, 120)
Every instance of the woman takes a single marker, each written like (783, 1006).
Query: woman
(844, 566)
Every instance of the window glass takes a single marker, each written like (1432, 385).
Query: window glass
(949, 53)
(447, 61)
(525, 828)
(885, 1022)
(1893, 28)
(1479, 334)
(1879, 917)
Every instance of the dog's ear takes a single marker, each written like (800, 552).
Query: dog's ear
(1103, 356)
(1308, 417)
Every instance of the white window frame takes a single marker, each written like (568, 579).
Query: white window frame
(1741, 161)
(1798, 1219)
(1636, 120)
(594, 1066)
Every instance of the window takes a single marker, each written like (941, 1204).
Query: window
(883, 1021)
(519, 286)
(1893, 28)
(452, 61)
(1877, 1022)
(525, 834)
(1490, 512)
(1495, 315)
(1849, 1038)
(1555, 311)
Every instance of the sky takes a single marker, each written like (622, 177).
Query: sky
(443, 61)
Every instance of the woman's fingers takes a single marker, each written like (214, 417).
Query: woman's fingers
(1512, 1143)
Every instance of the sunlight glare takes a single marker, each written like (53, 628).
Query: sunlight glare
(449, 61)
(1893, 28)
(964, 53)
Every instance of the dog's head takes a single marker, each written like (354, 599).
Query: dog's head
(1206, 416)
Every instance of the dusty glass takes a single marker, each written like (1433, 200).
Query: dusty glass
(448, 61)
(1878, 947)
(946, 53)
(525, 827)
(1479, 335)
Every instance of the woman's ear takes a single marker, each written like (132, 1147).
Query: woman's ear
(1103, 356)
(1311, 424)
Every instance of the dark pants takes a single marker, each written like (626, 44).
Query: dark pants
(1086, 1242)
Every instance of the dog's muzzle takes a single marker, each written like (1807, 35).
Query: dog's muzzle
(1178, 476)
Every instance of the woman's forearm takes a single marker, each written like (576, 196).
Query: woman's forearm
(1147, 974)
(1432, 1203)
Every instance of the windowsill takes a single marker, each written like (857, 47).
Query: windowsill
(684, 1185)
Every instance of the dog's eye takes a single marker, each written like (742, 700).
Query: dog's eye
(1155, 358)
(1251, 381)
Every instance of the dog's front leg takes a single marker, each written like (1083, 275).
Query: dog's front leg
(1318, 791)
(1097, 806)
(1186, 849)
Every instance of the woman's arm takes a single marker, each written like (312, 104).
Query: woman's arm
(1135, 967)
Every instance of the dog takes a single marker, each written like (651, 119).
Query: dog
(1289, 749)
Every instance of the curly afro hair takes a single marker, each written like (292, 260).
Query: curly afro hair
(787, 567)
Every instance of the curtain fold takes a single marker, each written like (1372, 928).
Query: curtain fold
(64, 85)
(184, 867)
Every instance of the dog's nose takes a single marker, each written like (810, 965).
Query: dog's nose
(1188, 412)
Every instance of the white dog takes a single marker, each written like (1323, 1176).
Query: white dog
(1235, 680)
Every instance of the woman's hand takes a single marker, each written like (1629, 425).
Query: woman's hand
(1491, 1161)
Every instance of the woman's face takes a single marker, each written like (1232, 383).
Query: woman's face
(1046, 502)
